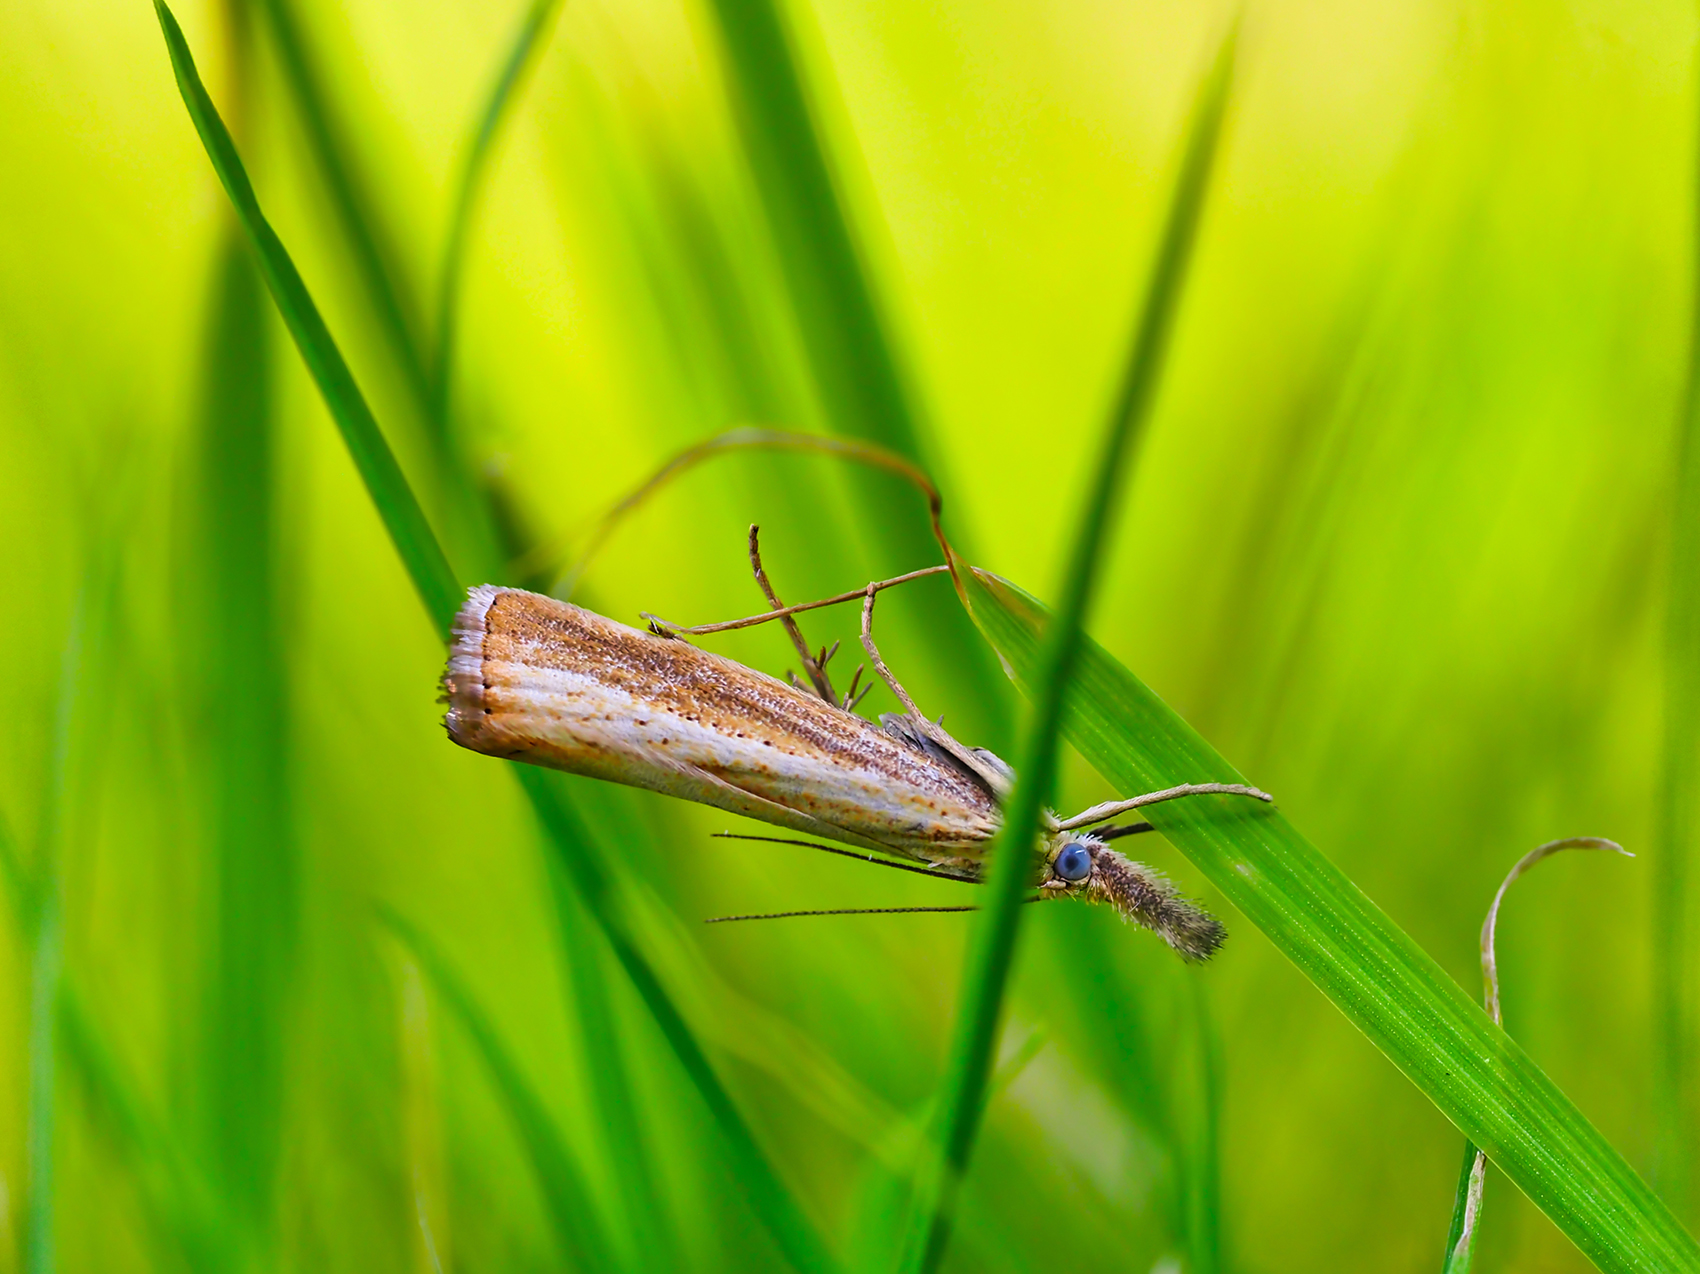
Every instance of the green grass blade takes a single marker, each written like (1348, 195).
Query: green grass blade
(1203, 1188)
(403, 518)
(992, 949)
(1381, 980)
(373, 255)
(572, 1211)
(767, 1196)
(181, 1204)
(849, 349)
(1459, 1259)
(851, 354)
(240, 675)
(177, 1207)
(432, 578)
(473, 167)
(607, 1065)
(1677, 814)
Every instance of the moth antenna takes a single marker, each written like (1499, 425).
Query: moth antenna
(843, 911)
(845, 853)
(838, 911)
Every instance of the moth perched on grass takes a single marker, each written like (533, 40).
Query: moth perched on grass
(531, 678)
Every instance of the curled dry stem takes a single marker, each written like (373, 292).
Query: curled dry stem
(1459, 1254)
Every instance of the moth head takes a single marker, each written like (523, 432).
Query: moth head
(1082, 866)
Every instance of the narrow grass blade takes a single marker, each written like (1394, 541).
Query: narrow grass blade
(432, 578)
(1677, 814)
(239, 673)
(177, 1207)
(645, 1216)
(572, 1211)
(992, 948)
(420, 553)
(1203, 1187)
(1467, 1206)
(861, 382)
(467, 522)
(1462, 1233)
(767, 1196)
(180, 1202)
(473, 166)
(848, 347)
(374, 257)
(1382, 981)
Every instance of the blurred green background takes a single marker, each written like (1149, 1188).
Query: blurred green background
(1397, 545)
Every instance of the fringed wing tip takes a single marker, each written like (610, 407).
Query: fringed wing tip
(463, 677)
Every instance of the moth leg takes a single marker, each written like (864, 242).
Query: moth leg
(995, 776)
(1109, 809)
(666, 628)
(879, 664)
(812, 667)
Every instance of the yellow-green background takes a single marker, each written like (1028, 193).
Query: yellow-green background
(1397, 545)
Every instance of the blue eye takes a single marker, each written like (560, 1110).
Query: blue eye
(1074, 863)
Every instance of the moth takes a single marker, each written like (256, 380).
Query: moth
(535, 679)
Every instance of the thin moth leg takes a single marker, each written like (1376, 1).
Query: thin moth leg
(669, 629)
(812, 667)
(879, 664)
(996, 777)
(1109, 809)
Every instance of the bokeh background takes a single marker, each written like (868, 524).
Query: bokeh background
(1397, 544)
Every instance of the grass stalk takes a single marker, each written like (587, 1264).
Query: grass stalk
(992, 949)
(435, 583)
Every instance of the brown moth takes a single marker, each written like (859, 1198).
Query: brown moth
(531, 678)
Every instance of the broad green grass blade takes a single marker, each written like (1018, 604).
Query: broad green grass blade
(1677, 814)
(403, 518)
(240, 677)
(432, 578)
(474, 165)
(572, 1211)
(850, 349)
(1382, 981)
(992, 949)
